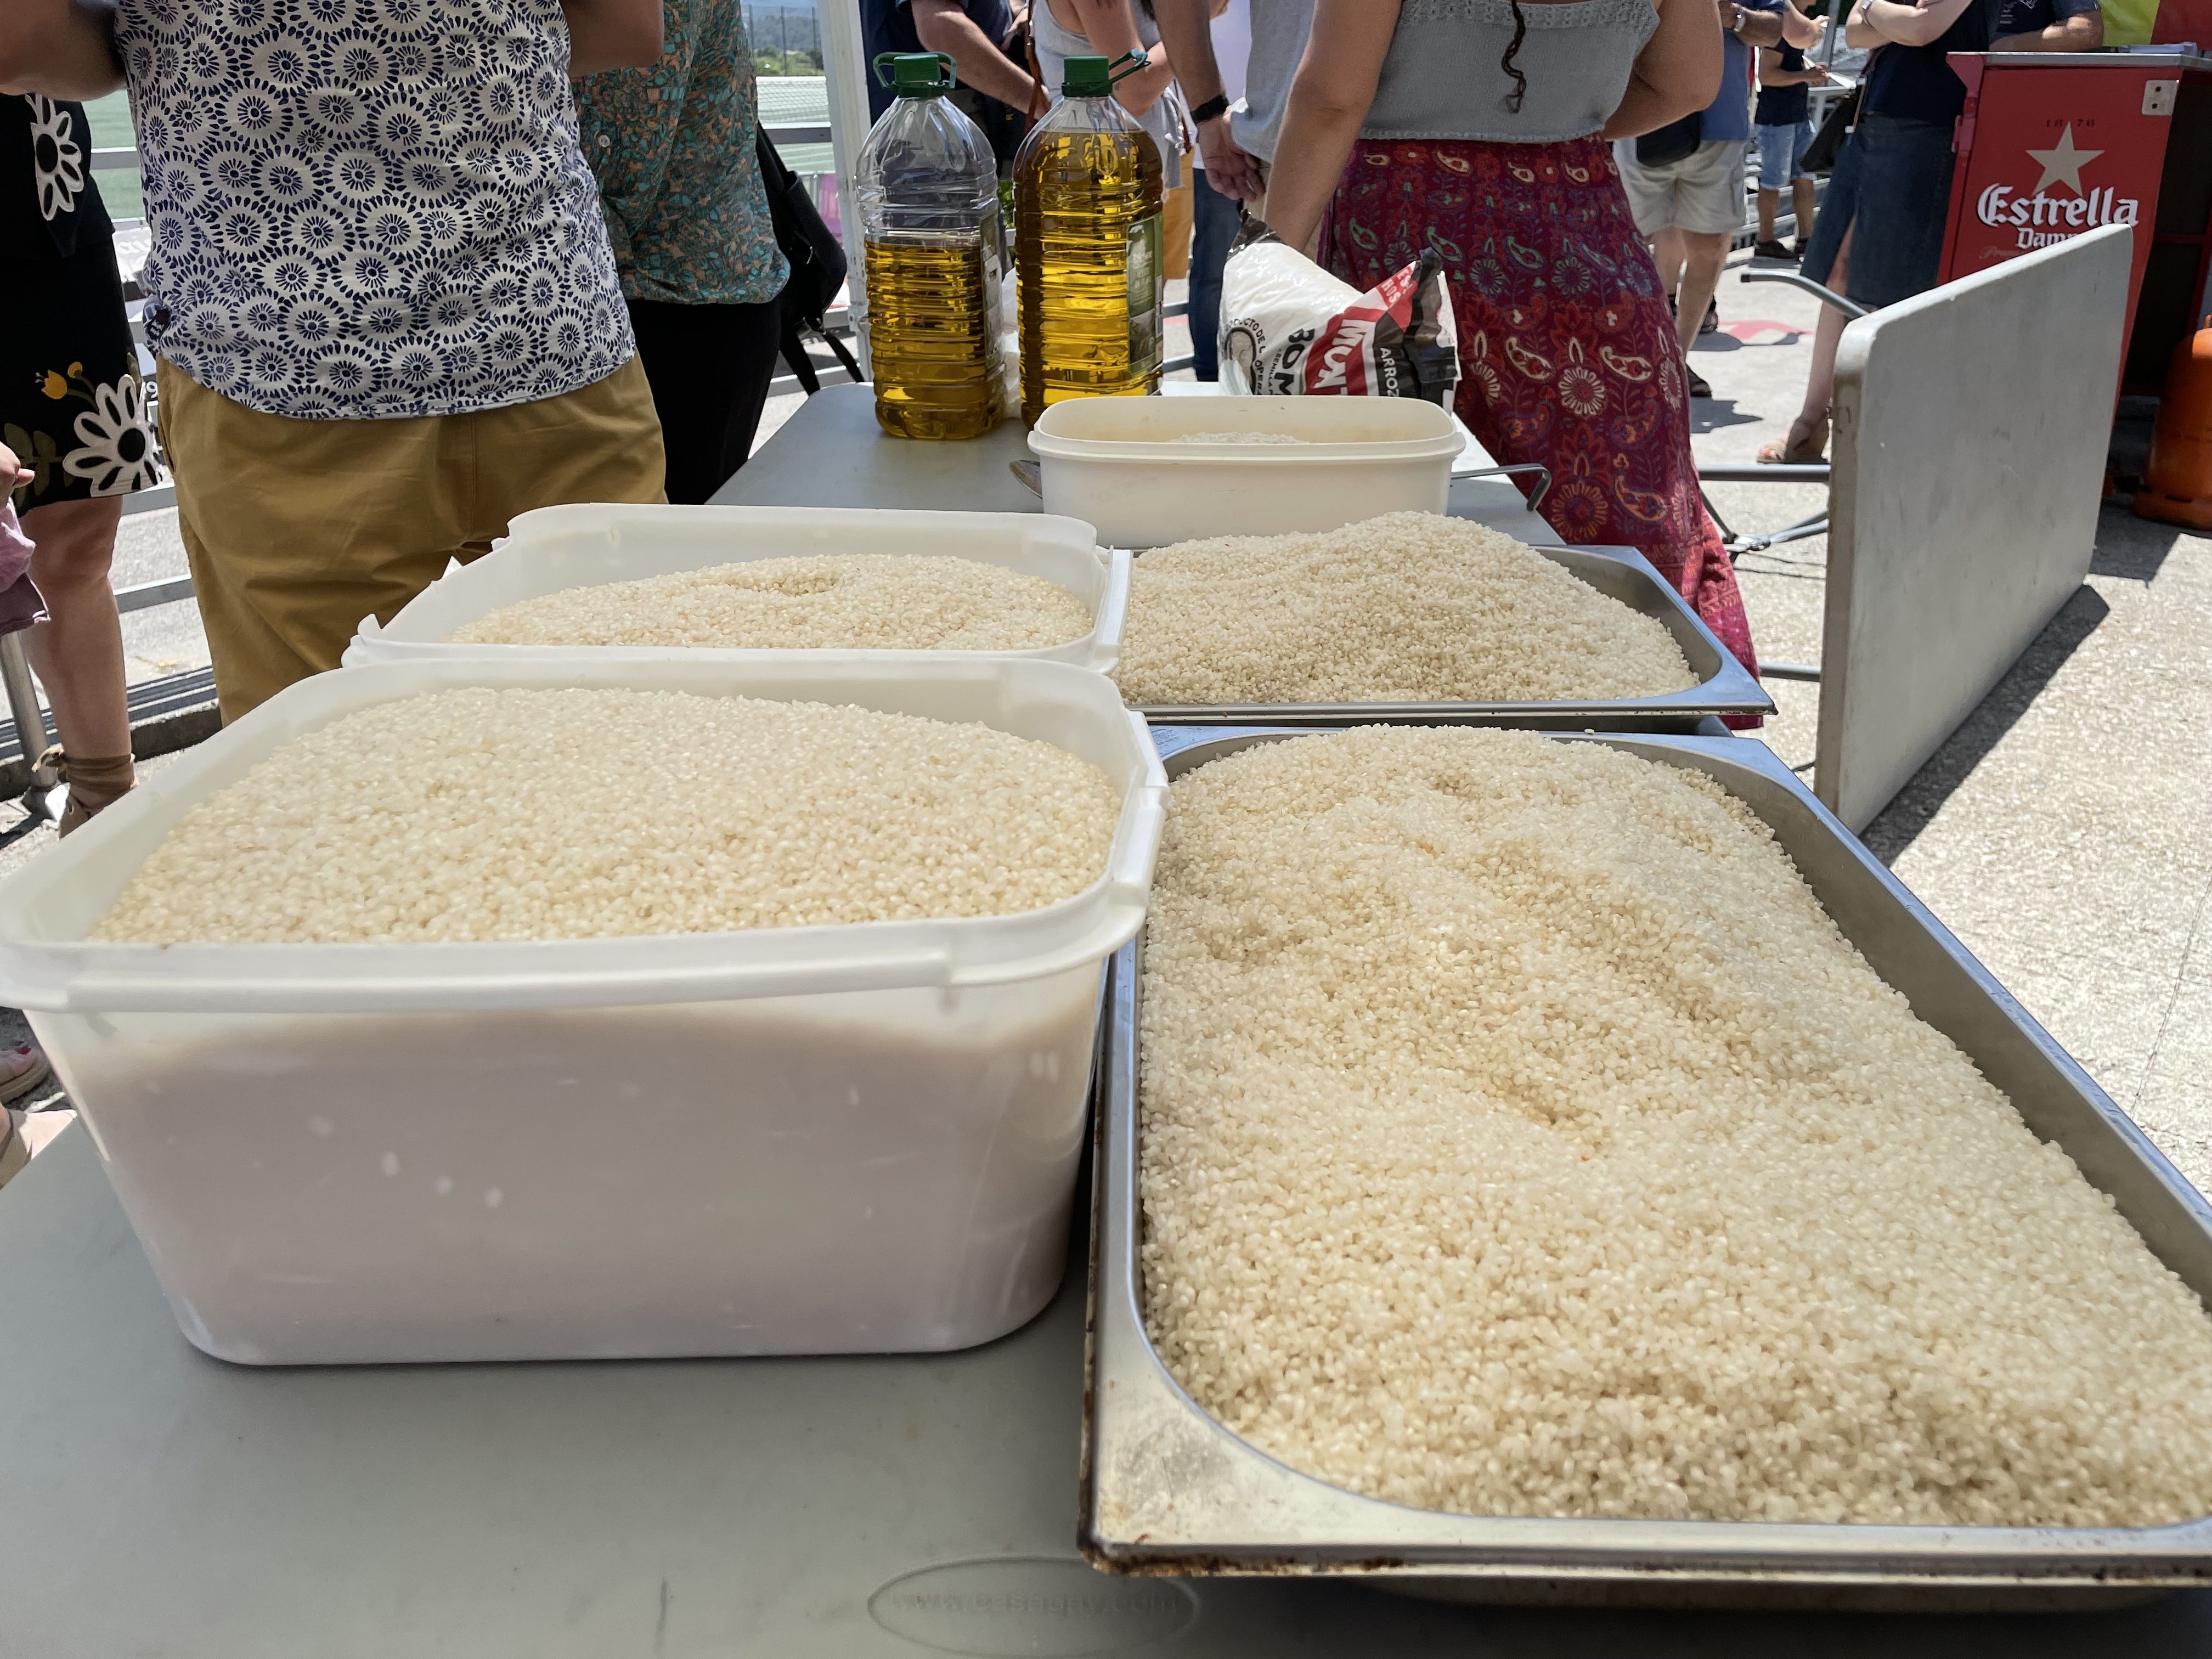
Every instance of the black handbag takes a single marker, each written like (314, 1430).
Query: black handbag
(1671, 142)
(1827, 143)
(817, 266)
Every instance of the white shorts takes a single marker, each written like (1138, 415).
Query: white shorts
(1702, 192)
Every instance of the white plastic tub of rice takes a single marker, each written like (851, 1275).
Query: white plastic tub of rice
(735, 582)
(1150, 471)
(456, 1011)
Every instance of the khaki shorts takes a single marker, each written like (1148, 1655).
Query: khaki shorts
(296, 530)
(1703, 193)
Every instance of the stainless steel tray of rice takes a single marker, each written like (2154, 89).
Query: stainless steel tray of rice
(1569, 1167)
(1723, 686)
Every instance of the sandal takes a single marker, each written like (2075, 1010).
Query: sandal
(1807, 451)
(94, 785)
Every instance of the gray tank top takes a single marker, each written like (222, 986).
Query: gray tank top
(1056, 43)
(1443, 80)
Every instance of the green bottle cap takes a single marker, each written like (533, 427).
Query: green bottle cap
(914, 74)
(1087, 77)
(1097, 77)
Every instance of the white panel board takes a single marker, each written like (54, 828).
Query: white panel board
(846, 68)
(1971, 426)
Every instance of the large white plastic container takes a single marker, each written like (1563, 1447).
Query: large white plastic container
(562, 547)
(1115, 463)
(792, 1141)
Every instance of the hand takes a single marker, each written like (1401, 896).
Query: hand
(1821, 76)
(1820, 25)
(1729, 12)
(1228, 169)
(13, 469)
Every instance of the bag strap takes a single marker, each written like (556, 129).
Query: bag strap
(1040, 99)
(794, 356)
(837, 349)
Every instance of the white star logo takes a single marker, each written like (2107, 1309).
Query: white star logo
(2064, 162)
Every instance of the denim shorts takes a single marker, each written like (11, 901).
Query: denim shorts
(1891, 190)
(1782, 153)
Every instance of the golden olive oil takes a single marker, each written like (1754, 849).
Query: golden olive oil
(1087, 199)
(929, 330)
(933, 258)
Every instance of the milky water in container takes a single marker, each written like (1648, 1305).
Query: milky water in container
(935, 251)
(1087, 244)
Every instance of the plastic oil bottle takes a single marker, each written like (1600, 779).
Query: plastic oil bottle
(1087, 243)
(927, 189)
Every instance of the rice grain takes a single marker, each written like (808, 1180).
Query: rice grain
(1407, 607)
(1520, 1136)
(528, 814)
(841, 601)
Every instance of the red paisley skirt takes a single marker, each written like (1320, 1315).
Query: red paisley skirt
(1567, 351)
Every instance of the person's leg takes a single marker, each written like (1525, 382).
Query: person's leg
(675, 353)
(708, 369)
(1774, 163)
(1670, 254)
(1827, 335)
(1704, 254)
(78, 652)
(1808, 432)
(754, 336)
(1213, 228)
(1176, 210)
(298, 529)
(1709, 199)
(1802, 202)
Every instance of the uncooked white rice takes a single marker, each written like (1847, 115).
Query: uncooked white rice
(1411, 606)
(849, 601)
(483, 814)
(1521, 1136)
(1236, 438)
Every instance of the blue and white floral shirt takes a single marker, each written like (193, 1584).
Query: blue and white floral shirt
(369, 209)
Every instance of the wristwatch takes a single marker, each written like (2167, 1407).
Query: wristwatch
(1216, 104)
(1738, 25)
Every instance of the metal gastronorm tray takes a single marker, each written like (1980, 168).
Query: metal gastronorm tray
(1167, 1489)
(1724, 685)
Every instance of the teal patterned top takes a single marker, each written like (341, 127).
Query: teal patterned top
(673, 150)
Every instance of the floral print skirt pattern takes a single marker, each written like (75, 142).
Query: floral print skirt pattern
(72, 406)
(1567, 349)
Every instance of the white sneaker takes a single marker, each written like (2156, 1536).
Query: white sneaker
(22, 1068)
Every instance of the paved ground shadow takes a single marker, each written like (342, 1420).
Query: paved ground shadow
(2129, 548)
(1900, 822)
(1710, 414)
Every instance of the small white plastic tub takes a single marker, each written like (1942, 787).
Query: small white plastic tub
(586, 546)
(858, 1138)
(1116, 463)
